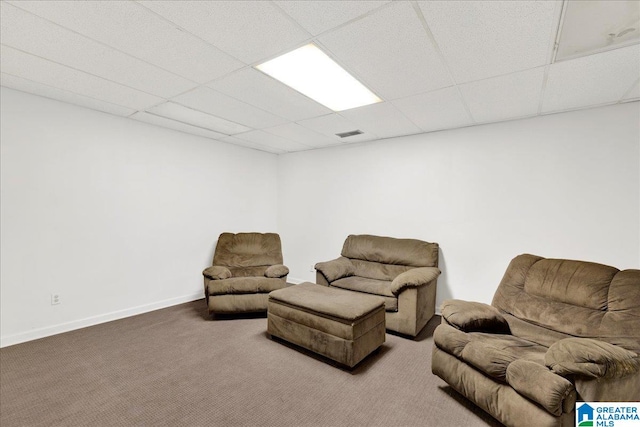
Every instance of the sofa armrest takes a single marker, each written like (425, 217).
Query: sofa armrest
(216, 272)
(276, 271)
(555, 393)
(336, 269)
(591, 358)
(414, 278)
(474, 317)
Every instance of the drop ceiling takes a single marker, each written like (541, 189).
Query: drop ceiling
(190, 65)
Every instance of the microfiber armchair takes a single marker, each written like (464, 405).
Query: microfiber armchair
(557, 331)
(246, 267)
(402, 271)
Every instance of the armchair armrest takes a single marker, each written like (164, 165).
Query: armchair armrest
(276, 271)
(216, 272)
(474, 317)
(414, 278)
(555, 393)
(590, 358)
(336, 269)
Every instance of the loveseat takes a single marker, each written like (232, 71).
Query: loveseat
(245, 268)
(402, 271)
(557, 331)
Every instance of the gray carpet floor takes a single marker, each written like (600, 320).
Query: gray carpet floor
(176, 367)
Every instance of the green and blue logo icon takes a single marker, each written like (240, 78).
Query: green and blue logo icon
(584, 415)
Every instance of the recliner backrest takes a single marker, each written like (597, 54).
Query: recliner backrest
(248, 250)
(384, 258)
(576, 298)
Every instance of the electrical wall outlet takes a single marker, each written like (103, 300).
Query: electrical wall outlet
(55, 299)
(312, 269)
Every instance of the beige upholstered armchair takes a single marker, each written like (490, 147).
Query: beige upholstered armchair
(246, 267)
(557, 331)
(402, 271)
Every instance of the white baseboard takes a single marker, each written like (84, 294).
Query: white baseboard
(94, 320)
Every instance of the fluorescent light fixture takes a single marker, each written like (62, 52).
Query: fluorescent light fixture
(311, 72)
(177, 112)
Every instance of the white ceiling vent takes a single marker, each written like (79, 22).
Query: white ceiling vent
(350, 133)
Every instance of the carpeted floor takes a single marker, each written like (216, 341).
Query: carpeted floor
(175, 367)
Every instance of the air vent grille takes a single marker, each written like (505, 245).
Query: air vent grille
(350, 133)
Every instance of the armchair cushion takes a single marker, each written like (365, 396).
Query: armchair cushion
(244, 285)
(474, 317)
(336, 269)
(216, 272)
(591, 358)
(276, 271)
(414, 278)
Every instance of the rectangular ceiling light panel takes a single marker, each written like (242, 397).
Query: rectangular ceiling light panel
(311, 72)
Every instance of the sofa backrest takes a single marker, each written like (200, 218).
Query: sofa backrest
(384, 258)
(248, 250)
(575, 298)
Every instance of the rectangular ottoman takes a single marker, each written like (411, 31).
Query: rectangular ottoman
(337, 324)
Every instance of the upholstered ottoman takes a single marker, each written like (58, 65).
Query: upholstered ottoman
(337, 324)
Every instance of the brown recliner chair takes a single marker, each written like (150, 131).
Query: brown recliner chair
(557, 331)
(402, 271)
(246, 267)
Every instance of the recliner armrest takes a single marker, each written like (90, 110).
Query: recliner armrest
(474, 317)
(276, 271)
(216, 272)
(414, 278)
(555, 393)
(591, 358)
(336, 269)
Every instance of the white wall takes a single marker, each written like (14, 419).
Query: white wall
(565, 186)
(116, 216)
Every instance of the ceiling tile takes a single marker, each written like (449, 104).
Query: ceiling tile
(221, 105)
(441, 109)
(133, 29)
(595, 26)
(172, 124)
(591, 80)
(390, 52)
(197, 118)
(481, 39)
(35, 88)
(255, 88)
(634, 93)
(37, 36)
(331, 124)
(249, 31)
(243, 143)
(383, 119)
(303, 135)
(49, 73)
(270, 140)
(319, 16)
(504, 97)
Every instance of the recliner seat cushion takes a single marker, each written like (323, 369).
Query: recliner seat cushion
(244, 285)
(380, 288)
